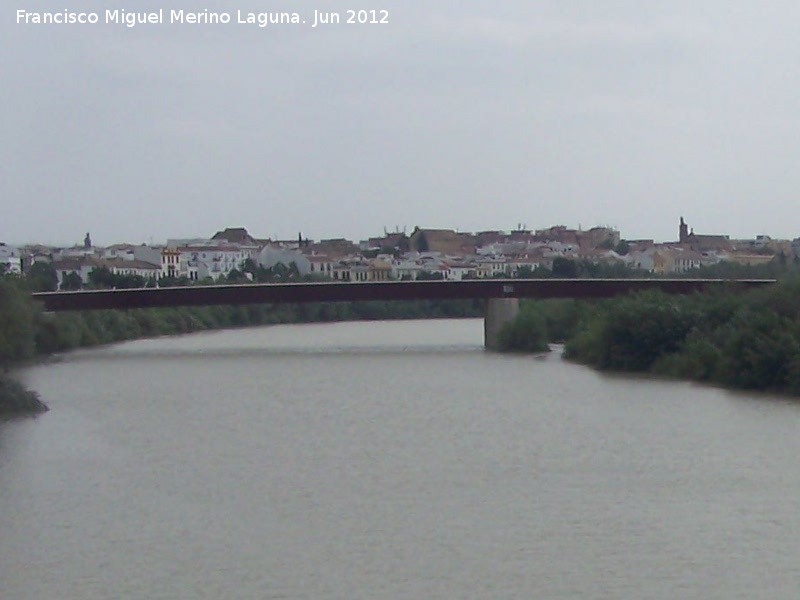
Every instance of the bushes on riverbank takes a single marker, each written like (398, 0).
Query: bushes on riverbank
(542, 322)
(527, 333)
(747, 340)
(632, 333)
(60, 332)
(16, 400)
(17, 343)
(17, 322)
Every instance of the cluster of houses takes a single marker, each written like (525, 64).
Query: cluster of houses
(425, 253)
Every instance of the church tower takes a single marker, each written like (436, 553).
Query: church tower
(683, 232)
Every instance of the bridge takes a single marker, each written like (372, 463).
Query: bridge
(502, 295)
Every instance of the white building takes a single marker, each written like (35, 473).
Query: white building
(143, 252)
(141, 268)
(458, 270)
(10, 260)
(212, 260)
(81, 266)
(513, 265)
(320, 264)
(490, 266)
(642, 260)
(271, 256)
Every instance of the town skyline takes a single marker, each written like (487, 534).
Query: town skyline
(233, 253)
(100, 240)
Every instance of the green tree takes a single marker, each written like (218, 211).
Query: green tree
(526, 333)
(564, 268)
(632, 333)
(429, 276)
(42, 277)
(524, 272)
(236, 276)
(622, 248)
(101, 278)
(17, 337)
(71, 281)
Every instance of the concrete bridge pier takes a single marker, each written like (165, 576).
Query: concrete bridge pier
(499, 311)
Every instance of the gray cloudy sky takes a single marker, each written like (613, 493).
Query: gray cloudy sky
(468, 114)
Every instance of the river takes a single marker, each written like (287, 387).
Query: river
(389, 460)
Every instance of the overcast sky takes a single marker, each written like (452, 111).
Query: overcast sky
(468, 115)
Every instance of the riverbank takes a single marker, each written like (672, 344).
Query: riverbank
(748, 340)
(16, 401)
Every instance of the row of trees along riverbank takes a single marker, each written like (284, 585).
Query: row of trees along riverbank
(747, 340)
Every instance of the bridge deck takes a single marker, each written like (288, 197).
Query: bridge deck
(387, 290)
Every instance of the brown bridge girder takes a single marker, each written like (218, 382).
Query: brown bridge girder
(274, 293)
